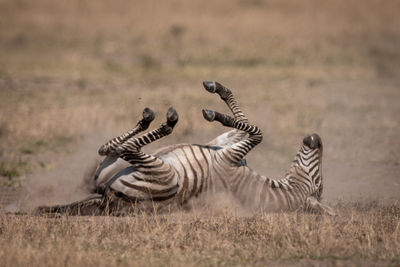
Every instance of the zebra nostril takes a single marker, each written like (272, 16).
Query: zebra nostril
(307, 141)
(317, 140)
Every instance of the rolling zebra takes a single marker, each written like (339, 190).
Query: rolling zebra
(300, 188)
(129, 180)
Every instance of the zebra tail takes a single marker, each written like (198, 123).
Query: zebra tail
(89, 206)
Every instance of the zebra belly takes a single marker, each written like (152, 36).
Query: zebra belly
(107, 169)
(192, 166)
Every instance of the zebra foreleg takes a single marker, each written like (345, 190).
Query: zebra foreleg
(314, 206)
(110, 147)
(226, 95)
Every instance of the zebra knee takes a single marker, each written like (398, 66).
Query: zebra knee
(105, 150)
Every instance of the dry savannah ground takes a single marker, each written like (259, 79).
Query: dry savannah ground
(75, 73)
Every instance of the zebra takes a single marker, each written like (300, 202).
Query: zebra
(129, 180)
(301, 187)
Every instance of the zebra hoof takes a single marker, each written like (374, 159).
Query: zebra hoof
(148, 115)
(208, 114)
(172, 117)
(210, 86)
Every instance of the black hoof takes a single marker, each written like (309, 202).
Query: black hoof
(172, 117)
(208, 114)
(148, 115)
(209, 86)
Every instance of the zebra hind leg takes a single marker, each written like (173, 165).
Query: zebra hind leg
(93, 205)
(110, 147)
(157, 179)
(132, 146)
(154, 168)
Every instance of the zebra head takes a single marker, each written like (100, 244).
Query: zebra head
(309, 161)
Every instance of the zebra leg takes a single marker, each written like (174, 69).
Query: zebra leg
(93, 205)
(110, 147)
(235, 153)
(226, 95)
(154, 168)
(110, 165)
(314, 206)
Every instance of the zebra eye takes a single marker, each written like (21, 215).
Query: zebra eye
(317, 181)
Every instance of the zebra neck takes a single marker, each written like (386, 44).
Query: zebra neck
(299, 181)
(260, 192)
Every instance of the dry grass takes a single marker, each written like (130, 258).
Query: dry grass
(363, 235)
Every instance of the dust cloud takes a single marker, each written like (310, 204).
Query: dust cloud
(217, 204)
(69, 181)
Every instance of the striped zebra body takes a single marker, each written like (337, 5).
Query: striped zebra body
(300, 188)
(131, 179)
(194, 169)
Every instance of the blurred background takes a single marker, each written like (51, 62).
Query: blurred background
(75, 73)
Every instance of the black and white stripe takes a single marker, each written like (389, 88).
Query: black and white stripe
(300, 188)
(303, 181)
(131, 178)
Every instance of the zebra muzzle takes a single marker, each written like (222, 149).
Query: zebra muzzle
(312, 141)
